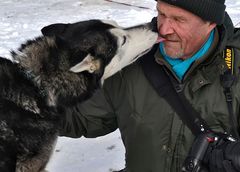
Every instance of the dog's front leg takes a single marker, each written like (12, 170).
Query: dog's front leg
(38, 162)
(33, 164)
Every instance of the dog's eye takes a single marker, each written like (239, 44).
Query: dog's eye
(124, 40)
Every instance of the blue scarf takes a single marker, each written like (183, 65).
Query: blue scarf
(180, 66)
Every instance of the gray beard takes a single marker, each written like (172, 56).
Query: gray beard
(177, 55)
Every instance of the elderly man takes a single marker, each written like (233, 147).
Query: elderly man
(195, 33)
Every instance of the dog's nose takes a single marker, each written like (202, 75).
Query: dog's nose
(153, 24)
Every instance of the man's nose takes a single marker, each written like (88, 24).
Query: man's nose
(165, 26)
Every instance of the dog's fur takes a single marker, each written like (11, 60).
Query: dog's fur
(53, 71)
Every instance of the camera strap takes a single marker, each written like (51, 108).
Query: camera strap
(227, 79)
(172, 93)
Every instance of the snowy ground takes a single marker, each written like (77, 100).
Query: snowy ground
(23, 19)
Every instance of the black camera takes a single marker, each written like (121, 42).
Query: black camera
(202, 144)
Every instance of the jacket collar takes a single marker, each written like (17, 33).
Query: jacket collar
(226, 31)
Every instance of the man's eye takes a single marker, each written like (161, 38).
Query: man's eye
(180, 20)
(124, 40)
(161, 14)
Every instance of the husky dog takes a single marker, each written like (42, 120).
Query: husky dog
(53, 71)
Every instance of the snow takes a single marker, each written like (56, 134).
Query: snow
(22, 20)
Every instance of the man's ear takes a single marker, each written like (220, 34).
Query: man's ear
(211, 26)
(54, 29)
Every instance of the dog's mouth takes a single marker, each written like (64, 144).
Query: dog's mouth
(160, 39)
(141, 54)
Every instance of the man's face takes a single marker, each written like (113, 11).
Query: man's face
(184, 32)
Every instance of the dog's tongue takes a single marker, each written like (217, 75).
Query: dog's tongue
(160, 39)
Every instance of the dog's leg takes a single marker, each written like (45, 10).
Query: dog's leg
(36, 163)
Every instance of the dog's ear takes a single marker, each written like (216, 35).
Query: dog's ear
(54, 29)
(89, 63)
(62, 43)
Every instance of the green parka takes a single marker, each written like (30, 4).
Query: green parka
(154, 137)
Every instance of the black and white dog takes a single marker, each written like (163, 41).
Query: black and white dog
(59, 69)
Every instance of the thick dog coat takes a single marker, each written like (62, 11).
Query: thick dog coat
(55, 71)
